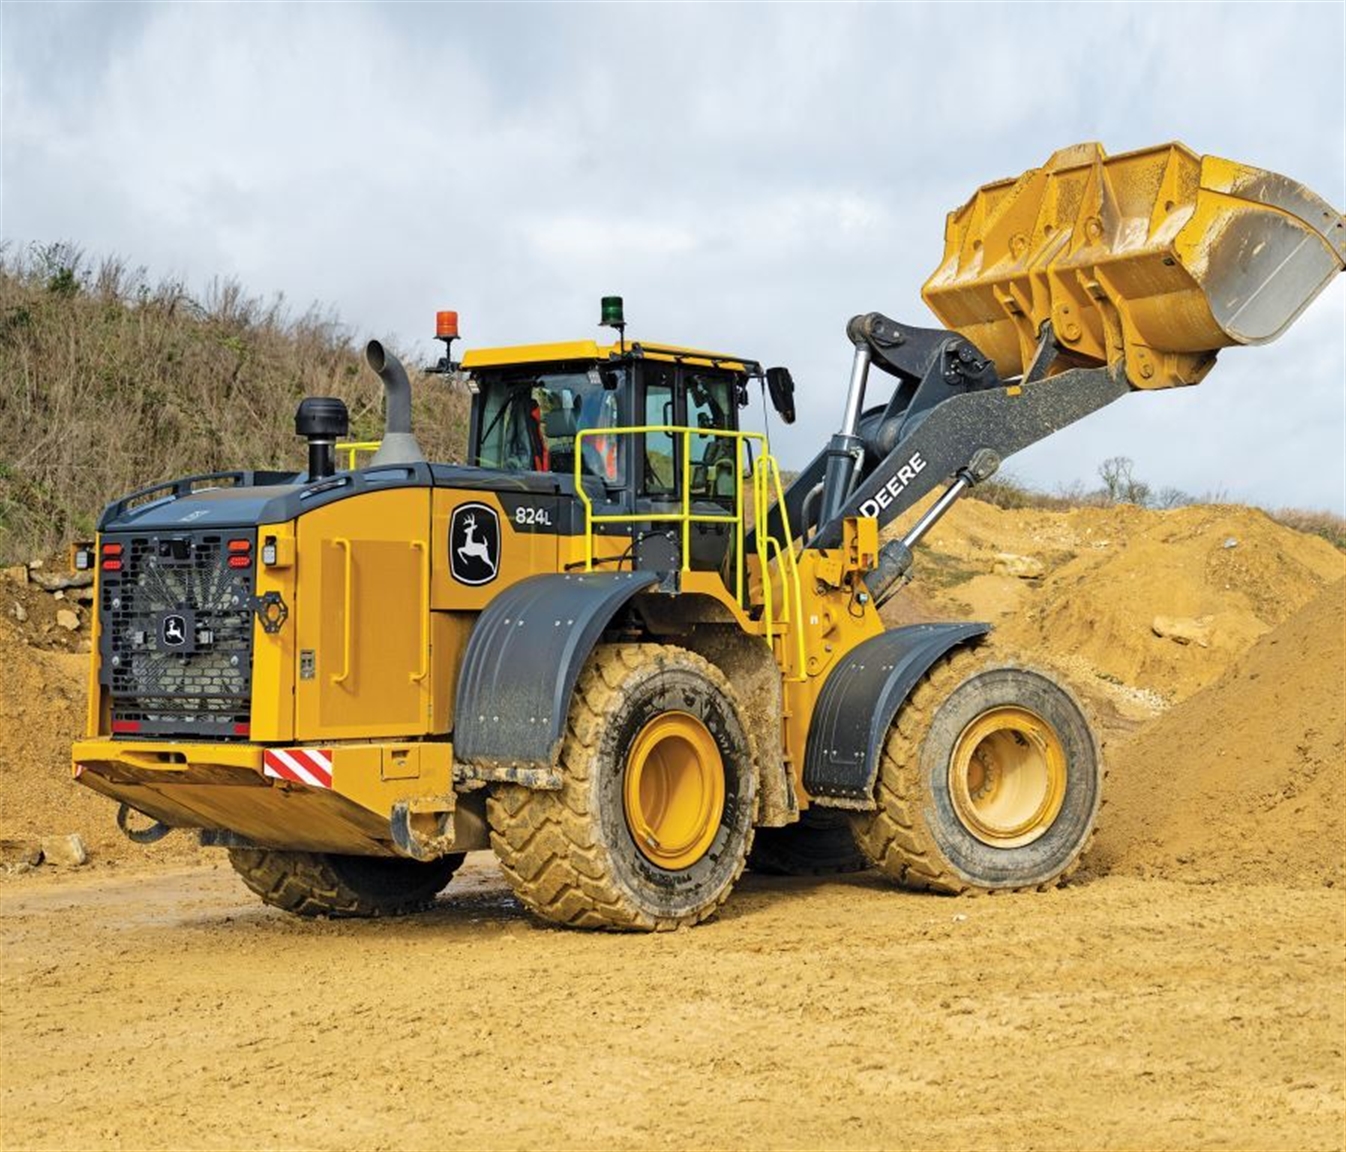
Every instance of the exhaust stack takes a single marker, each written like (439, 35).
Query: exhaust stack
(399, 443)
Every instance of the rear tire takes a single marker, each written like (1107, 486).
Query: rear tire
(821, 843)
(990, 779)
(653, 821)
(328, 884)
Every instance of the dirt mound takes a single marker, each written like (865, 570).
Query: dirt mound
(1087, 587)
(1244, 781)
(42, 701)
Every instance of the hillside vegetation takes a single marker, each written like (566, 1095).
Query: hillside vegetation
(110, 381)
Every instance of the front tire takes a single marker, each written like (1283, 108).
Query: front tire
(328, 884)
(653, 821)
(990, 779)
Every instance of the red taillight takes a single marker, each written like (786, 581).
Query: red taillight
(239, 561)
(112, 565)
(242, 729)
(240, 545)
(125, 726)
(112, 549)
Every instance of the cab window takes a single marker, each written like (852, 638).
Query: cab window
(531, 423)
(714, 462)
(661, 448)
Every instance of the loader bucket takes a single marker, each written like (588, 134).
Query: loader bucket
(1159, 257)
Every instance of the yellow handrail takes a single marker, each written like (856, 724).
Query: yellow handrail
(348, 603)
(353, 446)
(423, 548)
(765, 478)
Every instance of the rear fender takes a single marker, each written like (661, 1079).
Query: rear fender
(857, 705)
(520, 667)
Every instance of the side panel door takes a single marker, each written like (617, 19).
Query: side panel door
(363, 617)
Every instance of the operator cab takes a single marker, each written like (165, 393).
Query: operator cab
(532, 403)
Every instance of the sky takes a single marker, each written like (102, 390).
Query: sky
(746, 176)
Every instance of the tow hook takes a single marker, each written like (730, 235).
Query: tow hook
(155, 832)
(422, 828)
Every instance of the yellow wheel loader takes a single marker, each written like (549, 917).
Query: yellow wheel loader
(614, 647)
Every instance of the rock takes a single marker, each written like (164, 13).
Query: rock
(18, 573)
(84, 596)
(1184, 629)
(15, 852)
(53, 583)
(68, 620)
(19, 612)
(34, 565)
(1024, 567)
(64, 851)
(1230, 543)
(58, 595)
(84, 647)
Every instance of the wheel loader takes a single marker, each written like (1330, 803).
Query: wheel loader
(614, 647)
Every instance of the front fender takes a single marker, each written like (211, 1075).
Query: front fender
(858, 703)
(521, 664)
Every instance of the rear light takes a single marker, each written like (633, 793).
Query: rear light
(120, 727)
(269, 553)
(242, 729)
(112, 549)
(82, 557)
(112, 565)
(240, 561)
(240, 545)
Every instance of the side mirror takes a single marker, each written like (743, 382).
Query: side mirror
(781, 385)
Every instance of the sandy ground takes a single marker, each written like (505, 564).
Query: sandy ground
(169, 1009)
(1187, 990)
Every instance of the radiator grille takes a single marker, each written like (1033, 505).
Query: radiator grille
(176, 642)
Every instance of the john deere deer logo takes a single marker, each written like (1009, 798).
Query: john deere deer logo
(175, 631)
(474, 544)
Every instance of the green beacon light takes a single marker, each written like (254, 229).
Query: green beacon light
(612, 316)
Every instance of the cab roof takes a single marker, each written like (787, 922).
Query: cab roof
(592, 350)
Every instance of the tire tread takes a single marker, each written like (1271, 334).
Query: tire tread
(894, 836)
(561, 869)
(310, 884)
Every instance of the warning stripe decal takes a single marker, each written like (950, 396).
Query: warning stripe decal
(311, 766)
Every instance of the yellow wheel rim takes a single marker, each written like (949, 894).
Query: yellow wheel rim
(1007, 777)
(673, 790)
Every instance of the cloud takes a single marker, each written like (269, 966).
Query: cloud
(747, 176)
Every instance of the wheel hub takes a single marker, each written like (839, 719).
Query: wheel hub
(673, 790)
(1007, 777)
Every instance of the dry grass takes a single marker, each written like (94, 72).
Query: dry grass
(1328, 525)
(109, 382)
(1005, 491)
